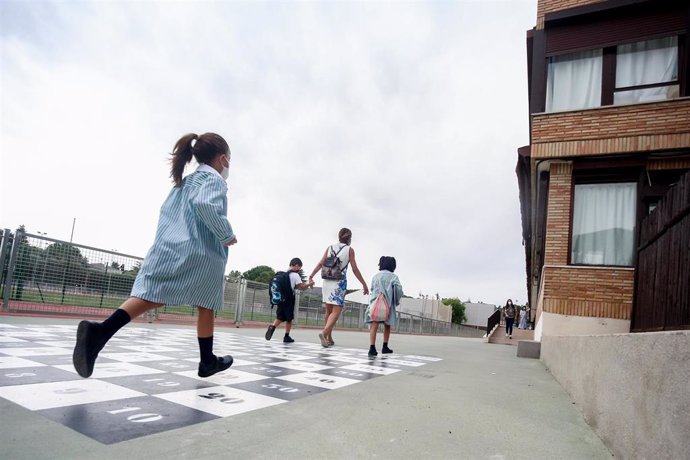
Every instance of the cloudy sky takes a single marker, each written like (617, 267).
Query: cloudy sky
(399, 120)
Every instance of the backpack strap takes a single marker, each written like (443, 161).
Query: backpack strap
(335, 254)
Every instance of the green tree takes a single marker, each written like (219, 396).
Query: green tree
(135, 269)
(458, 309)
(260, 274)
(234, 274)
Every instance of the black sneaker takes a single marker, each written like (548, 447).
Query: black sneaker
(288, 339)
(89, 343)
(372, 352)
(220, 364)
(386, 350)
(270, 331)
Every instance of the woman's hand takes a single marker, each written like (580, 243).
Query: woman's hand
(365, 290)
(231, 242)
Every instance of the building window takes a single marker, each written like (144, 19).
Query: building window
(646, 71)
(574, 81)
(604, 224)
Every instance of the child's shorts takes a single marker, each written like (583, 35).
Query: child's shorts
(285, 312)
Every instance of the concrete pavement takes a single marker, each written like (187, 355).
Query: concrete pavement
(480, 402)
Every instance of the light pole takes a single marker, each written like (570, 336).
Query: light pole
(45, 259)
(111, 260)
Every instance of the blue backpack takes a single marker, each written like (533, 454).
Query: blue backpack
(280, 291)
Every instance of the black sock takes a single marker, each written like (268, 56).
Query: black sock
(385, 344)
(372, 347)
(206, 349)
(114, 323)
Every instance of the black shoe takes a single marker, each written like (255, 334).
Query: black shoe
(270, 331)
(372, 352)
(288, 339)
(220, 364)
(386, 350)
(89, 343)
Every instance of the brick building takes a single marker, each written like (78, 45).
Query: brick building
(609, 103)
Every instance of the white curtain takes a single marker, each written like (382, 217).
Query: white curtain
(647, 63)
(604, 224)
(574, 81)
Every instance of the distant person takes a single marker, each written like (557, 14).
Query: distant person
(385, 283)
(509, 311)
(523, 319)
(283, 293)
(186, 263)
(333, 266)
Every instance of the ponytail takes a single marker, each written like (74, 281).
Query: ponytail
(181, 155)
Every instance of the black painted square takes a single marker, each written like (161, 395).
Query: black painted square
(116, 421)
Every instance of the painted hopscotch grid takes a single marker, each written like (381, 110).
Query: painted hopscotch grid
(146, 382)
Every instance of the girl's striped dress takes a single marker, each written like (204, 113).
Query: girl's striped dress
(186, 264)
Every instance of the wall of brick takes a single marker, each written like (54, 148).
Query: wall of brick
(558, 214)
(668, 164)
(576, 290)
(589, 291)
(612, 129)
(549, 6)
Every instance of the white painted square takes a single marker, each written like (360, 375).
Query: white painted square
(423, 358)
(286, 356)
(135, 357)
(372, 369)
(221, 401)
(6, 339)
(58, 343)
(53, 329)
(36, 351)
(40, 396)
(227, 377)
(329, 382)
(106, 370)
(300, 366)
(348, 359)
(11, 362)
(157, 348)
(27, 334)
(401, 362)
(7, 326)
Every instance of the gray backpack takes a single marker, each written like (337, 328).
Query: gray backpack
(332, 269)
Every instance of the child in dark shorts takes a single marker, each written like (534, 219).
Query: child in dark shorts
(286, 311)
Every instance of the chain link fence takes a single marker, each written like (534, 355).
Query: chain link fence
(42, 275)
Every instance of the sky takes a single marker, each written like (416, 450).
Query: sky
(398, 120)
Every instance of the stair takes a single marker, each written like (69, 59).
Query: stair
(499, 336)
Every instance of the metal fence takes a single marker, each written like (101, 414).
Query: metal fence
(42, 275)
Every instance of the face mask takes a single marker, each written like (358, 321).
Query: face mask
(225, 173)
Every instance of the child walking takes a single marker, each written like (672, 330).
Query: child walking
(285, 311)
(186, 264)
(385, 283)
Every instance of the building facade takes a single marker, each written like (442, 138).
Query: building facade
(477, 314)
(609, 108)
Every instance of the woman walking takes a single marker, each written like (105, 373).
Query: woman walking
(510, 312)
(334, 274)
(186, 264)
